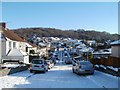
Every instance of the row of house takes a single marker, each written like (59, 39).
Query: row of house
(13, 47)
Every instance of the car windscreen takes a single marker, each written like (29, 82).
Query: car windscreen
(37, 61)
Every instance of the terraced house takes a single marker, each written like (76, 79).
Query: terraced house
(12, 46)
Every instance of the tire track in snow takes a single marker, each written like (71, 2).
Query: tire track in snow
(30, 75)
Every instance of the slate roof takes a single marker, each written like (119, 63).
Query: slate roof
(33, 45)
(11, 35)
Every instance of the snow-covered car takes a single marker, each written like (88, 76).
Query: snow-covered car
(39, 65)
(83, 67)
(50, 63)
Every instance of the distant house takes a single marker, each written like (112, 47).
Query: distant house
(12, 47)
(115, 48)
(91, 42)
(31, 47)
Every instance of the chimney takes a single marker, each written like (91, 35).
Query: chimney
(3, 25)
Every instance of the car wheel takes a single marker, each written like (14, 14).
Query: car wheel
(92, 73)
(44, 71)
(31, 71)
(73, 70)
(77, 72)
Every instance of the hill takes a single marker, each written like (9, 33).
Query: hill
(75, 34)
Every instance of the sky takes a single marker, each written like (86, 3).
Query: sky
(99, 16)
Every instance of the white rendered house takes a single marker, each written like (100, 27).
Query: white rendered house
(12, 46)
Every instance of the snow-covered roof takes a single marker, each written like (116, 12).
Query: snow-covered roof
(41, 44)
(73, 41)
(78, 43)
(85, 49)
(104, 51)
(79, 46)
(115, 42)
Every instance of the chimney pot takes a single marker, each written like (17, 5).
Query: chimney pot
(3, 24)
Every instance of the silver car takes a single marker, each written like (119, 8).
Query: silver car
(83, 67)
(38, 65)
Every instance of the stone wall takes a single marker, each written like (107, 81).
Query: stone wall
(8, 71)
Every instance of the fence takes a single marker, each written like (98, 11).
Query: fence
(110, 61)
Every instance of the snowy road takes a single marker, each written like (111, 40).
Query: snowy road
(60, 76)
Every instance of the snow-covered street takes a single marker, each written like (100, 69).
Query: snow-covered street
(60, 76)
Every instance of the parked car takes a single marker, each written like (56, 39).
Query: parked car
(68, 60)
(83, 67)
(39, 65)
(50, 63)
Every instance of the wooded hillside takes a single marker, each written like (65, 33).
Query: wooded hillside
(75, 34)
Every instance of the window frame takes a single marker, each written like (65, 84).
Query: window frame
(14, 44)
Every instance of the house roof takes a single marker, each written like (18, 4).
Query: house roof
(33, 45)
(115, 42)
(11, 35)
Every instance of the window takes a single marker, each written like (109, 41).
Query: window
(14, 44)
(26, 49)
(37, 61)
(9, 44)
